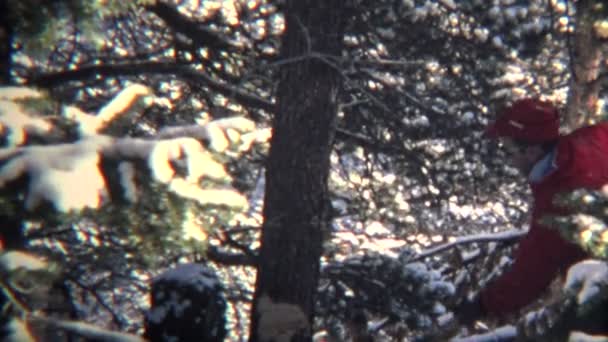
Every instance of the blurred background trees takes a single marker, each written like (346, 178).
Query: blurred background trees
(408, 169)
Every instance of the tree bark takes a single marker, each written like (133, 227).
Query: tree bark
(6, 43)
(296, 203)
(587, 52)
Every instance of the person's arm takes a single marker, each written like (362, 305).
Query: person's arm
(540, 256)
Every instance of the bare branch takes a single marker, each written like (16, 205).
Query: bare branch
(230, 259)
(162, 68)
(200, 35)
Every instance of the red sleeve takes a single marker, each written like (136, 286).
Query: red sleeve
(542, 253)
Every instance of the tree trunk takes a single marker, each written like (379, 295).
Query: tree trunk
(587, 52)
(6, 44)
(296, 203)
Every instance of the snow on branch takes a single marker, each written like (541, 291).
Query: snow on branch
(71, 178)
(505, 333)
(16, 122)
(219, 133)
(505, 236)
(579, 304)
(126, 101)
(66, 175)
(19, 93)
(74, 176)
(587, 279)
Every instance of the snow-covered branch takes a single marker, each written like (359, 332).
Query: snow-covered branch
(576, 306)
(16, 122)
(85, 330)
(127, 101)
(507, 236)
(73, 176)
(588, 280)
(504, 334)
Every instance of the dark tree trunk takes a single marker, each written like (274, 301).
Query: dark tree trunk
(6, 44)
(11, 232)
(296, 209)
(588, 51)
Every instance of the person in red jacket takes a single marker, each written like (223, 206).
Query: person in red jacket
(529, 132)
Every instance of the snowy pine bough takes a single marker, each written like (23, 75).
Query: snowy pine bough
(84, 172)
(76, 175)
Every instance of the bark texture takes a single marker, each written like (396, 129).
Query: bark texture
(296, 209)
(587, 52)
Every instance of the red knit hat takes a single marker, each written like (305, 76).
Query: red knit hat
(528, 120)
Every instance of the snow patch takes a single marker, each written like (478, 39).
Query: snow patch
(587, 278)
(16, 122)
(14, 260)
(127, 180)
(504, 333)
(191, 275)
(19, 93)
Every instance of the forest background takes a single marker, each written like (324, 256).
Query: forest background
(332, 148)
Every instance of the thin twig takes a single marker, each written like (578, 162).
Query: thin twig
(115, 317)
(6, 289)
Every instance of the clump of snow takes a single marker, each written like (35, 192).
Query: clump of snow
(69, 175)
(198, 162)
(494, 12)
(504, 333)
(158, 313)
(13, 260)
(441, 288)
(261, 135)
(19, 93)
(578, 336)
(418, 271)
(219, 133)
(17, 331)
(587, 278)
(600, 28)
(17, 122)
(190, 275)
(376, 228)
(127, 180)
(124, 101)
(66, 175)
(192, 229)
(497, 42)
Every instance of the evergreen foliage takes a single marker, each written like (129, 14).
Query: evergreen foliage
(39, 25)
(409, 170)
(588, 227)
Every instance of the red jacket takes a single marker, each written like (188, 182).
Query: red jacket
(581, 161)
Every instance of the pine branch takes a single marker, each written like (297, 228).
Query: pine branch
(230, 259)
(507, 236)
(151, 68)
(200, 35)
